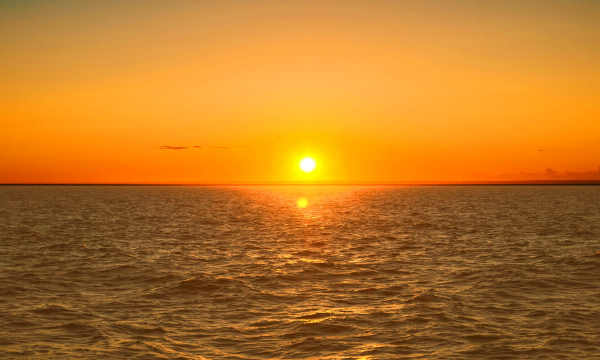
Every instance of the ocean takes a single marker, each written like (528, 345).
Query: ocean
(300, 272)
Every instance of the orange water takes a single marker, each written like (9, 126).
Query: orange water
(503, 272)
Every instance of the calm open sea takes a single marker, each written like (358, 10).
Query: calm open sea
(482, 272)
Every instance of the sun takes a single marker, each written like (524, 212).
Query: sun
(308, 164)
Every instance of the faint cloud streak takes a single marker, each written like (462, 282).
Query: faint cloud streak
(166, 147)
(548, 174)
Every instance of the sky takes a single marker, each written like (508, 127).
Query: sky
(239, 91)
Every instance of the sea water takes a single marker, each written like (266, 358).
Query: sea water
(173, 272)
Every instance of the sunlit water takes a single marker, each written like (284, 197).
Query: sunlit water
(258, 273)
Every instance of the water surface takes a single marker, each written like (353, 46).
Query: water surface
(503, 272)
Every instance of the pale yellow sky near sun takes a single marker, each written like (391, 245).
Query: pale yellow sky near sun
(373, 90)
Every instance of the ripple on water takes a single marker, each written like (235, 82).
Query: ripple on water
(244, 273)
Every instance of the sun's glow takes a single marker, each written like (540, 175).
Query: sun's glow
(302, 202)
(308, 164)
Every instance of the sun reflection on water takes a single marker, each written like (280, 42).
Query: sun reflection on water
(302, 202)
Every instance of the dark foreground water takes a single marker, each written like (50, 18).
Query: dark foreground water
(246, 273)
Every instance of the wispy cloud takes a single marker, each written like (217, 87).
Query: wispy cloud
(549, 174)
(166, 147)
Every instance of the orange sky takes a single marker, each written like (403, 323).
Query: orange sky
(374, 90)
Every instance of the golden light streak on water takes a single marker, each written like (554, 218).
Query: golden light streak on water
(302, 203)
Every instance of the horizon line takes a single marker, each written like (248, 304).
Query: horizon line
(281, 183)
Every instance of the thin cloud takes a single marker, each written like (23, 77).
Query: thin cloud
(166, 147)
(549, 174)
